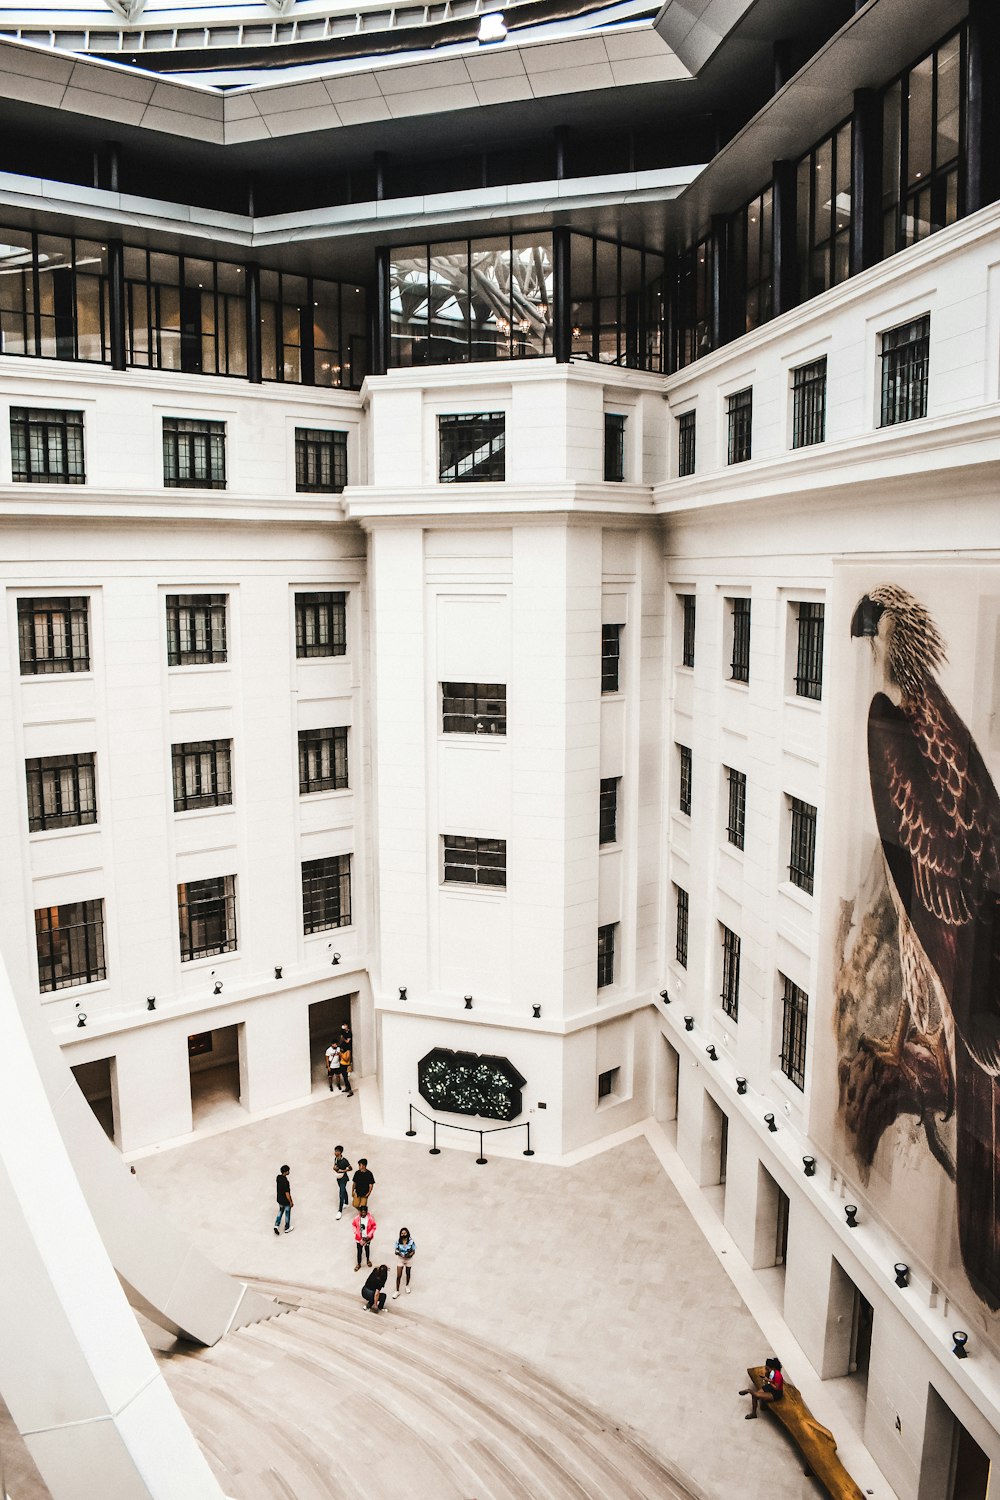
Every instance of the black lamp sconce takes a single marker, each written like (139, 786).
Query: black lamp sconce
(902, 1271)
(217, 987)
(468, 1002)
(851, 1214)
(689, 1023)
(741, 1085)
(335, 960)
(277, 971)
(809, 1166)
(769, 1122)
(81, 1019)
(150, 1002)
(959, 1340)
(536, 1011)
(402, 992)
(710, 1049)
(665, 996)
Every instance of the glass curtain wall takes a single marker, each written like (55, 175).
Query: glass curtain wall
(53, 296)
(752, 231)
(922, 132)
(693, 317)
(471, 300)
(616, 303)
(823, 207)
(313, 332)
(184, 313)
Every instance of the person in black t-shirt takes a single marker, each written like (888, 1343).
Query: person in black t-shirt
(341, 1166)
(283, 1192)
(372, 1290)
(363, 1183)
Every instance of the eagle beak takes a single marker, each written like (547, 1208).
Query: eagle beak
(866, 617)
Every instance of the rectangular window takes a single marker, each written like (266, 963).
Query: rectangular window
(740, 664)
(681, 927)
(823, 208)
(687, 641)
(473, 447)
(606, 955)
(53, 635)
(320, 461)
(323, 760)
(206, 917)
(320, 624)
(194, 454)
(905, 369)
(609, 809)
(730, 973)
(614, 447)
(473, 708)
(737, 820)
(46, 447)
(70, 944)
(616, 303)
(611, 645)
(809, 651)
(686, 439)
(202, 774)
(809, 404)
(739, 412)
(802, 853)
(326, 893)
(794, 1023)
(196, 629)
(62, 791)
(693, 330)
(471, 861)
(921, 153)
(684, 801)
(607, 1083)
(752, 231)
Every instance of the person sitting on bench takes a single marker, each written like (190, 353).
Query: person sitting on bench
(772, 1390)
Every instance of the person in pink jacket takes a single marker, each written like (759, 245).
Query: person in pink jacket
(364, 1232)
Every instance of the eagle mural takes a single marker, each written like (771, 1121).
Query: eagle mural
(938, 817)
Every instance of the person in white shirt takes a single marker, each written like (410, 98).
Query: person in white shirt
(333, 1065)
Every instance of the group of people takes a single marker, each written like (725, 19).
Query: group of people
(339, 1058)
(363, 1225)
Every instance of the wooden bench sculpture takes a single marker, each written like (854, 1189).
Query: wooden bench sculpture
(816, 1442)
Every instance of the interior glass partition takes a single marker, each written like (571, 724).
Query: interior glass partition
(471, 300)
(616, 303)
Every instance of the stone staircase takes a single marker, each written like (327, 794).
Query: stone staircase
(327, 1402)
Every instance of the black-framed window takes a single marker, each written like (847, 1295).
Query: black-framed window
(312, 332)
(809, 650)
(905, 370)
(607, 1083)
(474, 708)
(693, 333)
(688, 620)
(740, 663)
(752, 252)
(739, 418)
(203, 775)
(611, 650)
(687, 428)
(606, 955)
(194, 453)
(53, 296)
(609, 809)
(809, 404)
(794, 1026)
(323, 759)
(736, 819)
(53, 635)
(206, 917)
(682, 913)
(730, 995)
(46, 447)
(802, 844)
(196, 629)
(474, 861)
(922, 123)
(823, 208)
(616, 301)
(320, 461)
(684, 793)
(614, 447)
(69, 941)
(320, 624)
(472, 447)
(326, 893)
(62, 791)
(184, 313)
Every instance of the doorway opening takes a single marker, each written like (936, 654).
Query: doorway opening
(953, 1466)
(215, 1063)
(667, 1087)
(325, 1020)
(771, 1235)
(98, 1084)
(715, 1151)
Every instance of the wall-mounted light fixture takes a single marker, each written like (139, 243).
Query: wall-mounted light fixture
(665, 996)
(710, 1049)
(536, 1011)
(959, 1340)
(402, 992)
(689, 1023)
(81, 1019)
(741, 1085)
(769, 1122)
(335, 960)
(902, 1271)
(809, 1166)
(150, 1002)
(851, 1214)
(217, 987)
(468, 1002)
(277, 971)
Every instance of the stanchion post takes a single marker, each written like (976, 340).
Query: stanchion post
(480, 1159)
(528, 1152)
(434, 1149)
(411, 1130)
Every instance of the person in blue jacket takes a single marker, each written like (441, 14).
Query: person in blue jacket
(406, 1249)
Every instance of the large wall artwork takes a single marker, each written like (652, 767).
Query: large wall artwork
(906, 1086)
